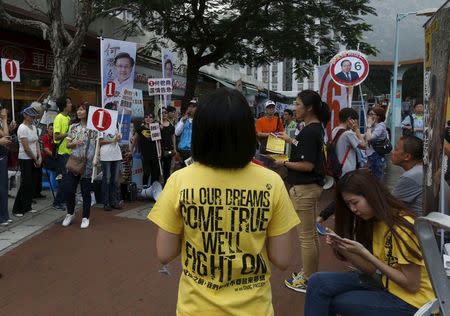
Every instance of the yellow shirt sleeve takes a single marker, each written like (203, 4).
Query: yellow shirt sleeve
(284, 217)
(400, 251)
(165, 213)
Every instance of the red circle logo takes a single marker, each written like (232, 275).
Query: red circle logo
(101, 119)
(110, 89)
(11, 69)
(349, 68)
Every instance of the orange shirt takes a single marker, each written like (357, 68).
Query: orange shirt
(266, 125)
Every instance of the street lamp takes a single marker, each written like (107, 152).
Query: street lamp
(396, 103)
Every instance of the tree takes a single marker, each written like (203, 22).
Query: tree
(250, 32)
(66, 46)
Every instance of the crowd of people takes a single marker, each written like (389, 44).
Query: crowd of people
(70, 151)
(228, 217)
(373, 228)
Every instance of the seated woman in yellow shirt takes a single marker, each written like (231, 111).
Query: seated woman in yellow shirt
(227, 216)
(375, 233)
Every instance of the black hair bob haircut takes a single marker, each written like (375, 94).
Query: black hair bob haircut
(223, 130)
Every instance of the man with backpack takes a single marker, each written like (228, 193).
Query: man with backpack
(345, 141)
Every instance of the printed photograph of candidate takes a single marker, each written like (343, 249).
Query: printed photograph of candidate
(346, 74)
(124, 65)
(118, 62)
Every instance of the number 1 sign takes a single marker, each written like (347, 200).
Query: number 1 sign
(102, 120)
(11, 73)
(10, 70)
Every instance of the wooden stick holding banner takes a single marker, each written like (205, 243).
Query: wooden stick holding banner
(12, 101)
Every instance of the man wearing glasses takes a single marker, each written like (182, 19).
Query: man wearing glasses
(184, 131)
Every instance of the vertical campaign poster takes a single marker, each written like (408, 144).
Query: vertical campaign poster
(335, 95)
(168, 64)
(117, 62)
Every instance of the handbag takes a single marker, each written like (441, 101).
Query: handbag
(77, 165)
(382, 146)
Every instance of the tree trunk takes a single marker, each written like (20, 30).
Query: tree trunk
(65, 63)
(60, 78)
(191, 82)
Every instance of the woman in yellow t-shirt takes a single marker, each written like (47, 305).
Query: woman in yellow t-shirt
(226, 216)
(375, 233)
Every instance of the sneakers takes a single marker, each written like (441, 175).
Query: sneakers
(18, 214)
(33, 211)
(67, 220)
(4, 223)
(84, 223)
(9, 220)
(297, 282)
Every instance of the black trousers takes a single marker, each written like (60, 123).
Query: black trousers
(37, 181)
(22, 203)
(166, 164)
(151, 170)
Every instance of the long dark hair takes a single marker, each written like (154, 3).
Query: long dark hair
(385, 206)
(320, 109)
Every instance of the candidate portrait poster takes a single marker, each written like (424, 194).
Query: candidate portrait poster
(118, 61)
(168, 65)
(335, 95)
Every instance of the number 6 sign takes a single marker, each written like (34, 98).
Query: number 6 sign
(349, 68)
(10, 70)
(102, 120)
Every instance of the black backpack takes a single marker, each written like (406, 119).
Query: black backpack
(333, 167)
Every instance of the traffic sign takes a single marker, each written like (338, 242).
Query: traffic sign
(349, 68)
(10, 70)
(102, 120)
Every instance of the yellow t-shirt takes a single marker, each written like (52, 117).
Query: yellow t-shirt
(225, 218)
(386, 249)
(61, 125)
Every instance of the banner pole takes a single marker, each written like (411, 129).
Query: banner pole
(101, 72)
(94, 167)
(12, 101)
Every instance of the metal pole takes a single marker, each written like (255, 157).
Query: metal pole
(394, 86)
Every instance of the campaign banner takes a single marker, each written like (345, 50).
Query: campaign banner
(117, 67)
(159, 86)
(335, 95)
(10, 70)
(155, 131)
(168, 63)
(125, 127)
(102, 120)
(137, 105)
(349, 68)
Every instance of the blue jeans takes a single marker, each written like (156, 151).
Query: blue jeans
(376, 165)
(62, 160)
(71, 184)
(4, 215)
(110, 170)
(347, 294)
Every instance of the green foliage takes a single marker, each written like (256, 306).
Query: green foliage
(254, 33)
